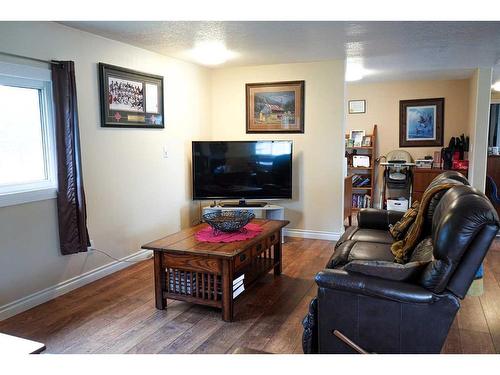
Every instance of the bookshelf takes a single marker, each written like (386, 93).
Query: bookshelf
(362, 196)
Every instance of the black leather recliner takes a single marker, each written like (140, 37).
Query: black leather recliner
(412, 316)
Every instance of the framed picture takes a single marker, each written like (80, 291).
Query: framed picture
(130, 99)
(353, 134)
(421, 122)
(357, 106)
(367, 141)
(276, 107)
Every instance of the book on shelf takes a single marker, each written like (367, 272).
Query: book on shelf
(236, 286)
(238, 291)
(360, 180)
(238, 279)
(364, 182)
(361, 200)
(356, 178)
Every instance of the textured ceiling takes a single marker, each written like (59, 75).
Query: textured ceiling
(388, 50)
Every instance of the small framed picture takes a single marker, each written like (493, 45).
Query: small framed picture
(356, 133)
(357, 137)
(350, 143)
(367, 141)
(357, 106)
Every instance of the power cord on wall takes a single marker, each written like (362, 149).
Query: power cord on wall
(118, 260)
(91, 248)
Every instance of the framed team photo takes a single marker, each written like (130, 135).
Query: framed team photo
(130, 99)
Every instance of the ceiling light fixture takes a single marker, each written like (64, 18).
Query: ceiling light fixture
(354, 70)
(211, 53)
(496, 86)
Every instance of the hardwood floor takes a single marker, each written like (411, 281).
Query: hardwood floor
(476, 329)
(117, 315)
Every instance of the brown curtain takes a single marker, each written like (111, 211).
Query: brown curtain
(72, 213)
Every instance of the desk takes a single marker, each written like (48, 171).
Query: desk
(422, 177)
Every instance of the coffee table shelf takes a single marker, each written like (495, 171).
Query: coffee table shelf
(255, 271)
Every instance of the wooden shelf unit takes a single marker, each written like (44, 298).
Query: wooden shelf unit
(365, 171)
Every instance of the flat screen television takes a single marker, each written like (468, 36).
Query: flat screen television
(242, 170)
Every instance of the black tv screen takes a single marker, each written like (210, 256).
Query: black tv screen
(242, 170)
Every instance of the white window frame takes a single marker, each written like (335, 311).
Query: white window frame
(35, 78)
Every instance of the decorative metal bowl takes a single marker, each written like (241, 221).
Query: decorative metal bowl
(228, 221)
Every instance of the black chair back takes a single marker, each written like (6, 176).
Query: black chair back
(464, 226)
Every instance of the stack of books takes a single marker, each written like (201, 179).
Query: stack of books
(238, 286)
(361, 200)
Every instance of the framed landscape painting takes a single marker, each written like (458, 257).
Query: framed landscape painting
(421, 122)
(276, 107)
(130, 99)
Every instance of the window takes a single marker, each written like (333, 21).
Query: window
(27, 152)
(494, 134)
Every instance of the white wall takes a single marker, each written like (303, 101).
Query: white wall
(318, 154)
(133, 195)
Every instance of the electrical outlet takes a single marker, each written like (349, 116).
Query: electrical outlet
(165, 152)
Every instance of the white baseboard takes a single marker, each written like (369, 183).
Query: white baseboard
(312, 234)
(37, 298)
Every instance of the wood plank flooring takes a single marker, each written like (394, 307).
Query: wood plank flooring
(476, 329)
(117, 315)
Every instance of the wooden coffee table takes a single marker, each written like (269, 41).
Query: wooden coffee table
(203, 273)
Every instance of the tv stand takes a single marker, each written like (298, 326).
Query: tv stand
(269, 211)
(243, 203)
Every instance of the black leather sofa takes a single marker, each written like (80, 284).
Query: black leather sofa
(371, 240)
(413, 315)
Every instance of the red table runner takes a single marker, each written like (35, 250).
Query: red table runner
(209, 235)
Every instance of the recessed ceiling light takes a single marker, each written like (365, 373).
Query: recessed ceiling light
(496, 86)
(211, 53)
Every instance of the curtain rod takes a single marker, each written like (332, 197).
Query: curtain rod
(29, 58)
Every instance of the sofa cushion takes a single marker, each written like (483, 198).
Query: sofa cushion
(371, 251)
(357, 250)
(341, 254)
(350, 250)
(421, 257)
(366, 235)
(387, 270)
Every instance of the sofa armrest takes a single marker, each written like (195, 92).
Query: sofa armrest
(373, 287)
(373, 218)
